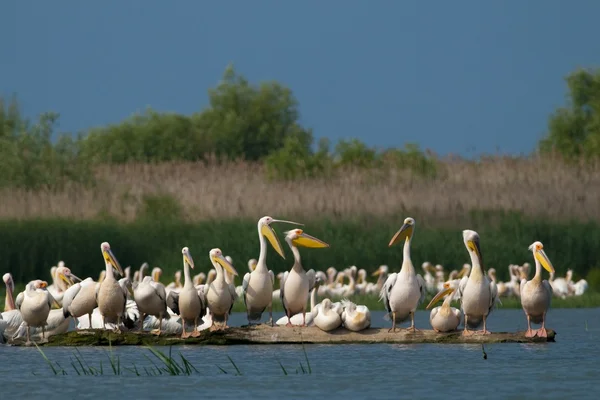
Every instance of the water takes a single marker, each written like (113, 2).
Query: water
(567, 368)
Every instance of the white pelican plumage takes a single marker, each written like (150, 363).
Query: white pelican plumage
(445, 318)
(325, 317)
(151, 299)
(478, 293)
(536, 294)
(306, 318)
(109, 294)
(403, 291)
(11, 317)
(35, 304)
(220, 295)
(297, 284)
(80, 299)
(189, 303)
(355, 318)
(258, 284)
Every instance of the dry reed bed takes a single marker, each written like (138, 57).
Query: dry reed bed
(534, 186)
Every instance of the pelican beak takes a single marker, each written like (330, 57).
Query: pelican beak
(43, 284)
(405, 232)
(541, 256)
(462, 272)
(440, 295)
(473, 245)
(187, 257)
(67, 279)
(377, 272)
(110, 258)
(222, 261)
(269, 233)
(306, 240)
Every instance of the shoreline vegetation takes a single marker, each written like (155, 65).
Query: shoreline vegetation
(159, 181)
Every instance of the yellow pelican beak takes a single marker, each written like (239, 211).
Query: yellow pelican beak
(447, 290)
(377, 272)
(405, 232)
(187, 257)
(43, 284)
(269, 233)
(222, 261)
(110, 258)
(473, 245)
(541, 256)
(66, 279)
(306, 240)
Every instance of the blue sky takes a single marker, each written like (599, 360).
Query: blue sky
(460, 77)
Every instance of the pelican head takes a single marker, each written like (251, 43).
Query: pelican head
(216, 256)
(447, 290)
(381, 270)
(464, 271)
(265, 229)
(8, 281)
(471, 239)
(187, 258)
(252, 264)
(229, 259)
(127, 271)
(65, 274)
(156, 273)
(405, 232)
(538, 253)
(110, 258)
(38, 284)
(427, 266)
(299, 238)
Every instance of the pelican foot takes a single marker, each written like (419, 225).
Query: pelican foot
(29, 343)
(542, 332)
(484, 332)
(467, 333)
(530, 333)
(271, 322)
(289, 324)
(185, 335)
(412, 329)
(43, 340)
(213, 328)
(195, 333)
(117, 330)
(436, 331)
(392, 329)
(155, 332)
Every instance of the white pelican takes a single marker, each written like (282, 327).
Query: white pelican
(220, 295)
(306, 318)
(34, 304)
(151, 299)
(503, 289)
(258, 284)
(297, 284)
(11, 316)
(478, 293)
(80, 299)
(176, 284)
(428, 277)
(9, 303)
(560, 286)
(404, 291)
(579, 287)
(109, 294)
(325, 317)
(536, 294)
(445, 318)
(189, 303)
(355, 318)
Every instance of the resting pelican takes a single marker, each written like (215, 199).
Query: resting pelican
(189, 303)
(109, 294)
(34, 304)
(404, 291)
(325, 317)
(151, 299)
(220, 295)
(478, 293)
(536, 294)
(444, 318)
(355, 318)
(560, 286)
(258, 284)
(297, 285)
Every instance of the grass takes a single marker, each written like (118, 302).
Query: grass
(198, 191)
(160, 363)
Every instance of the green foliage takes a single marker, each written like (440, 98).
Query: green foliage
(574, 130)
(162, 207)
(593, 278)
(504, 241)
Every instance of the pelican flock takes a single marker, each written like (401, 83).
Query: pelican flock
(119, 300)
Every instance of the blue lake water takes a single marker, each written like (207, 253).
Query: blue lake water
(568, 368)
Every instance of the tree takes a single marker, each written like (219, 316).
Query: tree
(574, 130)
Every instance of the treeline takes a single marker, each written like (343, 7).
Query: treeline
(29, 248)
(244, 121)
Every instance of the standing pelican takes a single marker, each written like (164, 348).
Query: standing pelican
(297, 285)
(34, 304)
(536, 294)
(478, 293)
(221, 294)
(151, 299)
(189, 303)
(109, 294)
(258, 284)
(404, 291)
(445, 318)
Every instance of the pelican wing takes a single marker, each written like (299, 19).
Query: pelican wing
(173, 301)
(281, 291)
(386, 290)
(160, 290)
(461, 286)
(19, 300)
(311, 275)
(69, 296)
(51, 300)
(422, 288)
(245, 283)
(493, 294)
(272, 275)
(548, 287)
(522, 286)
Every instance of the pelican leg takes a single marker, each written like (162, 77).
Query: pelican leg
(226, 319)
(44, 340)
(542, 332)
(90, 318)
(195, 332)
(412, 323)
(287, 313)
(466, 332)
(28, 343)
(103, 323)
(529, 332)
(304, 317)
(184, 334)
(213, 325)
(393, 328)
(142, 318)
(271, 313)
(118, 327)
(485, 331)
(157, 331)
